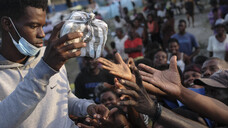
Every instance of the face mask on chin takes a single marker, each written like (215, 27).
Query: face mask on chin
(23, 46)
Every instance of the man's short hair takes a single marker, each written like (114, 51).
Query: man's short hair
(171, 40)
(182, 21)
(221, 62)
(119, 30)
(15, 8)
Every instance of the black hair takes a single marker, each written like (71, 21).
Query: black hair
(160, 50)
(170, 12)
(120, 30)
(200, 60)
(171, 40)
(150, 14)
(113, 45)
(107, 90)
(182, 21)
(145, 61)
(16, 8)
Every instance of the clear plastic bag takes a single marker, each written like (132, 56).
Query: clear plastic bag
(94, 32)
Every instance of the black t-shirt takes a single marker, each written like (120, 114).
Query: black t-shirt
(85, 83)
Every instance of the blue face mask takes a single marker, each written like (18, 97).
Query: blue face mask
(23, 46)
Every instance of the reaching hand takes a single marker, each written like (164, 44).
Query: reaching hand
(98, 111)
(167, 80)
(57, 52)
(140, 100)
(120, 70)
(131, 62)
(114, 120)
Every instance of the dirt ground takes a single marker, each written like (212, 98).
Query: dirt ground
(201, 31)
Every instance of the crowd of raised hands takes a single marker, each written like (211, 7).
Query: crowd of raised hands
(139, 86)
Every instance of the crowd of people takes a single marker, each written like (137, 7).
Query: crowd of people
(152, 77)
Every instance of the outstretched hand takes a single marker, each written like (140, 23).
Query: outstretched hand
(98, 111)
(120, 69)
(140, 100)
(167, 80)
(114, 120)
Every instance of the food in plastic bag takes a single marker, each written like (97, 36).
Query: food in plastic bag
(94, 32)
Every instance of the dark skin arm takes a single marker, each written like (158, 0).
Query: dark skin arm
(135, 118)
(57, 53)
(122, 70)
(144, 104)
(197, 50)
(186, 59)
(169, 82)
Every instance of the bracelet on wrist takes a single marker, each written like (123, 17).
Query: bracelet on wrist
(157, 113)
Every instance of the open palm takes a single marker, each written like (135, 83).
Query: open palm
(167, 80)
(120, 69)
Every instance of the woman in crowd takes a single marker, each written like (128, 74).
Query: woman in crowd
(182, 58)
(217, 43)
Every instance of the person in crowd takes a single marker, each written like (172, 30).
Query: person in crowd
(223, 6)
(213, 16)
(215, 12)
(217, 43)
(212, 65)
(200, 60)
(119, 42)
(126, 15)
(186, 40)
(191, 73)
(167, 28)
(141, 19)
(110, 98)
(125, 116)
(169, 82)
(34, 89)
(189, 6)
(160, 58)
(138, 28)
(141, 101)
(214, 107)
(119, 22)
(153, 28)
(182, 59)
(133, 45)
(90, 77)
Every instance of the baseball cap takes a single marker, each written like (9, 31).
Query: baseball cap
(219, 80)
(219, 21)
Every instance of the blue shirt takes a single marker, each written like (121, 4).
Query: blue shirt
(187, 42)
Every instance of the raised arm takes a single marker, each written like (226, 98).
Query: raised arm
(122, 70)
(142, 103)
(29, 92)
(169, 82)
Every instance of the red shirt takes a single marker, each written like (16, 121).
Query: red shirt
(134, 44)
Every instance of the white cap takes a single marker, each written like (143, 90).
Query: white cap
(219, 21)
(226, 18)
